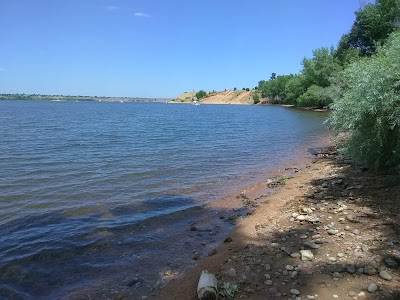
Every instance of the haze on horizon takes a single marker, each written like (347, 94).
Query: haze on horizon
(160, 49)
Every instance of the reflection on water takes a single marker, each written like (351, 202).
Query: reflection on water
(95, 192)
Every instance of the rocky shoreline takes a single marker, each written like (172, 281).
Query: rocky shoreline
(331, 232)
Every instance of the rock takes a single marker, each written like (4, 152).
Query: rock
(228, 240)
(306, 255)
(352, 293)
(136, 281)
(311, 245)
(232, 272)
(268, 282)
(364, 248)
(301, 218)
(356, 231)
(332, 259)
(295, 215)
(274, 245)
(370, 270)
(340, 255)
(295, 255)
(289, 267)
(267, 267)
(285, 272)
(385, 275)
(295, 292)
(310, 297)
(372, 288)
(333, 231)
(267, 276)
(347, 228)
(212, 252)
(351, 269)
(391, 263)
(294, 274)
(196, 255)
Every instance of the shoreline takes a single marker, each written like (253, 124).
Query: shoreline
(261, 252)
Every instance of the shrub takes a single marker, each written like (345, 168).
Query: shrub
(201, 94)
(368, 111)
(256, 98)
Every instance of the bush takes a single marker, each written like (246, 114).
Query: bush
(201, 94)
(256, 98)
(368, 111)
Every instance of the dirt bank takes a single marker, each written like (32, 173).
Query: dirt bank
(226, 97)
(345, 218)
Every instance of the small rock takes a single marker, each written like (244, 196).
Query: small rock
(347, 228)
(372, 288)
(212, 252)
(356, 231)
(391, 263)
(351, 269)
(295, 292)
(295, 215)
(289, 267)
(306, 255)
(294, 274)
(232, 272)
(340, 255)
(352, 293)
(274, 245)
(311, 245)
(333, 231)
(301, 218)
(310, 297)
(385, 275)
(332, 259)
(295, 255)
(268, 282)
(228, 240)
(267, 276)
(196, 255)
(267, 267)
(370, 270)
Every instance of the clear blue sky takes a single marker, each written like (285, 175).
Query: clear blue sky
(149, 48)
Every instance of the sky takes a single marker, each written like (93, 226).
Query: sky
(160, 48)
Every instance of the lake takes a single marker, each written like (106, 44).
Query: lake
(98, 194)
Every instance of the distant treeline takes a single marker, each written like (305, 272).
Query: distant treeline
(76, 98)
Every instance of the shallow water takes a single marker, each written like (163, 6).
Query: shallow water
(89, 190)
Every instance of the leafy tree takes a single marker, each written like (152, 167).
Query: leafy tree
(319, 69)
(273, 76)
(201, 94)
(372, 26)
(294, 88)
(368, 111)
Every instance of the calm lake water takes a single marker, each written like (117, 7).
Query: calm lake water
(87, 189)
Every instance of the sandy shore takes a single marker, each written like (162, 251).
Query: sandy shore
(345, 218)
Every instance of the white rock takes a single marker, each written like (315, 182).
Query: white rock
(372, 288)
(306, 255)
(295, 292)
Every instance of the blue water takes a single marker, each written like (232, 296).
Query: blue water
(79, 179)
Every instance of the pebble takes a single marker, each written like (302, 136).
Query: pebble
(228, 240)
(372, 288)
(391, 263)
(340, 255)
(268, 282)
(289, 267)
(369, 270)
(385, 275)
(301, 218)
(356, 231)
(351, 269)
(294, 274)
(232, 272)
(267, 267)
(332, 259)
(295, 255)
(212, 252)
(312, 245)
(347, 228)
(295, 292)
(333, 231)
(310, 297)
(196, 255)
(352, 293)
(274, 245)
(295, 215)
(306, 255)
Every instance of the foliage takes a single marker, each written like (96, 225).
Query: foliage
(294, 88)
(372, 26)
(201, 94)
(319, 69)
(256, 98)
(228, 290)
(368, 112)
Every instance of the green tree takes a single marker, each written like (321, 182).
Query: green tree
(372, 26)
(256, 98)
(201, 94)
(294, 88)
(368, 111)
(319, 69)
